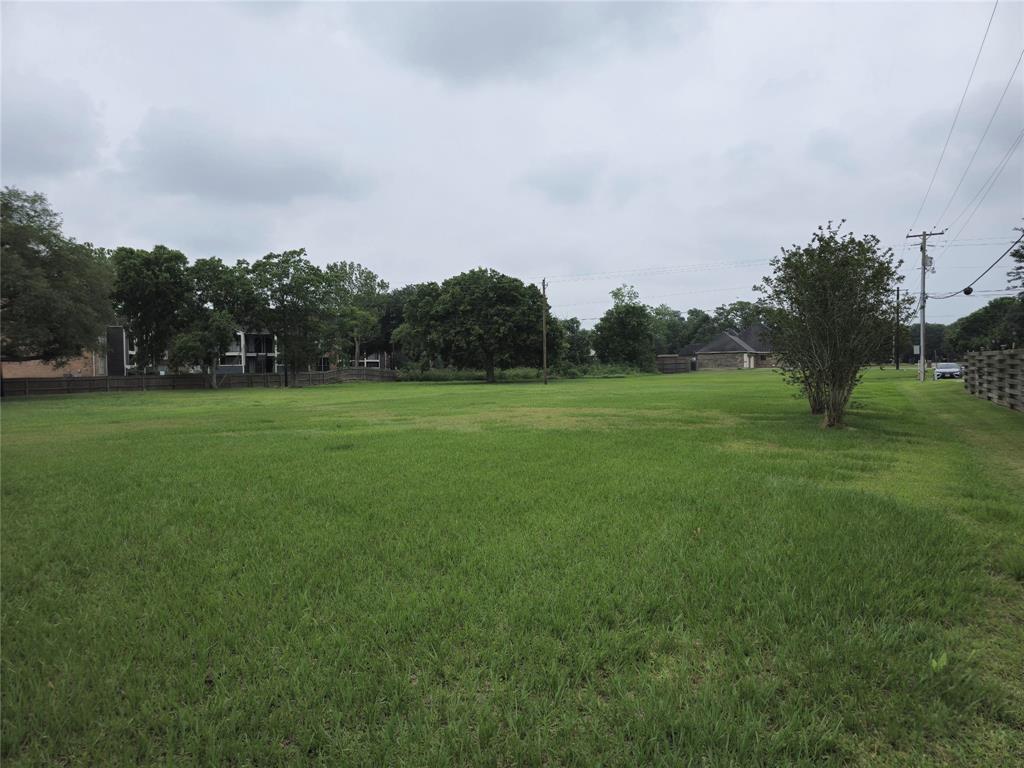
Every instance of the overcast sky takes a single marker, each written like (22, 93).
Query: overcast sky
(538, 139)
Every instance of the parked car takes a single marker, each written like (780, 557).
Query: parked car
(948, 371)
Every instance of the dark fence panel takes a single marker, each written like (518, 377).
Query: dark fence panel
(82, 384)
(997, 376)
(364, 374)
(673, 364)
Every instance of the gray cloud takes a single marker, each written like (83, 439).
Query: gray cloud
(176, 152)
(468, 42)
(569, 181)
(830, 149)
(537, 139)
(50, 128)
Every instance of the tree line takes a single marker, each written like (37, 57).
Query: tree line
(58, 294)
(828, 308)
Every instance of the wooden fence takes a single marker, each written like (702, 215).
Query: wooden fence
(997, 376)
(84, 384)
(674, 364)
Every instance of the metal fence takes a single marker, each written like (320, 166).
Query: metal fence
(31, 387)
(997, 376)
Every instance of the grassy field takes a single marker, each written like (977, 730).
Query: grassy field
(673, 570)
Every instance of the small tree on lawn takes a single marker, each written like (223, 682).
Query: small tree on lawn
(829, 307)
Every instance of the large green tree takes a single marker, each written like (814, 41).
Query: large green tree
(222, 302)
(577, 344)
(418, 337)
(829, 309)
(153, 294)
(481, 319)
(700, 327)
(54, 291)
(669, 329)
(737, 316)
(356, 299)
(294, 305)
(624, 333)
(204, 342)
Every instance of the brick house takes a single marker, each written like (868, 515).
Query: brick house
(89, 364)
(748, 348)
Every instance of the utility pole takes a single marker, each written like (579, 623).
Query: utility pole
(544, 326)
(926, 263)
(896, 332)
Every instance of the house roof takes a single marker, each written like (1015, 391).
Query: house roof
(690, 349)
(756, 336)
(753, 339)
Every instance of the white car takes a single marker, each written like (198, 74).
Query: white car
(948, 371)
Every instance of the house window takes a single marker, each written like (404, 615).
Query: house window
(762, 358)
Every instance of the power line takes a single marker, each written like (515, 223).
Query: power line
(705, 267)
(992, 177)
(658, 296)
(984, 191)
(956, 117)
(990, 267)
(983, 135)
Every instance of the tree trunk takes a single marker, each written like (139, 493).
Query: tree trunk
(355, 362)
(835, 405)
(814, 388)
(490, 368)
(213, 376)
(816, 399)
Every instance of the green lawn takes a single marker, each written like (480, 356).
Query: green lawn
(663, 570)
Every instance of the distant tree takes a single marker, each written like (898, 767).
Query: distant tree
(737, 316)
(829, 308)
(669, 329)
(222, 302)
(418, 337)
(700, 327)
(55, 292)
(225, 288)
(934, 340)
(484, 319)
(998, 324)
(152, 293)
(624, 332)
(293, 299)
(391, 317)
(578, 342)
(558, 343)
(1016, 274)
(204, 342)
(357, 298)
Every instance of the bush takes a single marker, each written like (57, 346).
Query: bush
(415, 373)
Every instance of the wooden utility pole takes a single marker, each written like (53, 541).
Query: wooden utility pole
(544, 326)
(896, 332)
(926, 263)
